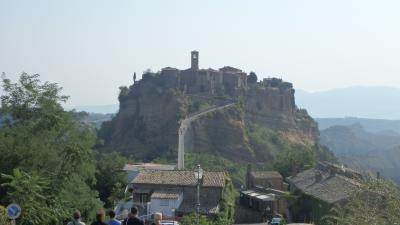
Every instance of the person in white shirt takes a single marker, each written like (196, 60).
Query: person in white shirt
(76, 219)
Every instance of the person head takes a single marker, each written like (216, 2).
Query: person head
(111, 214)
(125, 213)
(100, 215)
(134, 211)
(76, 215)
(157, 218)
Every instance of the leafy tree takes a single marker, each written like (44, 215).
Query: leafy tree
(252, 78)
(3, 218)
(111, 180)
(123, 91)
(294, 159)
(194, 219)
(35, 196)
(43, 145)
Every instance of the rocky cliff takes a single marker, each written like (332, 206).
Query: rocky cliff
(146, 126)
(147, 122)
(271, 104)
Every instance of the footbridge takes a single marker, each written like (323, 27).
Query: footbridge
(184, 127)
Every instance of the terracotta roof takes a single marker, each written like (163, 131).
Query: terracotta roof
(147, 166)
(324, 185)
(166, 194)
(265, 174)
(179, 178)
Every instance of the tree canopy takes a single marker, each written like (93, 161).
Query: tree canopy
(46, 160)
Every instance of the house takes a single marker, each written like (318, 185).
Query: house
(327, 182)
(322, 187)
(264, 196)
(174, 192)
(267, 179)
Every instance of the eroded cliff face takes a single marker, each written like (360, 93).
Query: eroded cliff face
(221, 133)
(146, 126)
(273, 106)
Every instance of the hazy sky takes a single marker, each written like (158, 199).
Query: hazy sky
(93, 47)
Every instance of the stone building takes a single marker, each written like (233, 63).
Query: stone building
(227, 80)
(266, 179)
(173, 192)
(322, 187)
(264, 196)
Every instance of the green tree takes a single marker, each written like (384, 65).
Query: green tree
(111, 180)
(47, 145)
(252, 78)
(34, 194)
(192, 219)
(294, 159)
(3, 218)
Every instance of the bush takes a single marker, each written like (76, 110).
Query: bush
(3, 217)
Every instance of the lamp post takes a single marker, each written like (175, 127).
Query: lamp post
(198, 175)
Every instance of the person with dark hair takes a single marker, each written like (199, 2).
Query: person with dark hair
(76, 219)
(133, 218)
(112, 220)
(100, 217)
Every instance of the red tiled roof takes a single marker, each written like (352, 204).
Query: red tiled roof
(179, 177)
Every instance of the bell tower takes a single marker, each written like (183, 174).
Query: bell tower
(195, 60)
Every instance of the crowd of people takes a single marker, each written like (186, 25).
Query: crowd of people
(132, 218)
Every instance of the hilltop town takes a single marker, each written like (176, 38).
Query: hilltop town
(154, 107)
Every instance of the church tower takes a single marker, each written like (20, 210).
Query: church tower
(195, 60)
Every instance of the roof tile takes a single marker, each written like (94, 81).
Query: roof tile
(179, 177)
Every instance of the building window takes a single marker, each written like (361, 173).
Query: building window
(164, 202)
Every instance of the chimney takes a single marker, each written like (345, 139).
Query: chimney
(195, 60)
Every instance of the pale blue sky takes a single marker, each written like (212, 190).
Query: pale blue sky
(93, 47)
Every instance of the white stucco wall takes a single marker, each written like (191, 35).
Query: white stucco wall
(167, 210)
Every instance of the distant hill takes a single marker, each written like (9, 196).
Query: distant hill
(355, 140)
(103, 109)
(386, 162)
(365, 150)
(97, 118)
(357, 101)
(371, 125)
